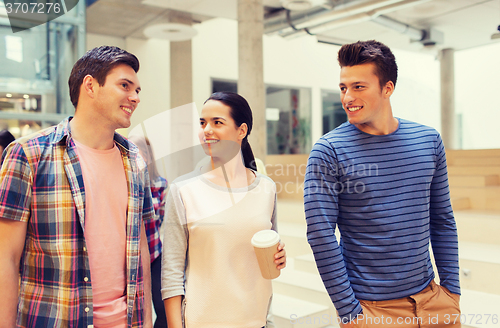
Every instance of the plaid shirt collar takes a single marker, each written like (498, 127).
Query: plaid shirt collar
(63, 130)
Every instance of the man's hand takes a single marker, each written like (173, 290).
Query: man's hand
(280, 256)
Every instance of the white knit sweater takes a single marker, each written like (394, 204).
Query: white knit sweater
(207, 254)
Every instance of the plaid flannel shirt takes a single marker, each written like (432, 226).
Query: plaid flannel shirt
(42, 184)
(158, 191)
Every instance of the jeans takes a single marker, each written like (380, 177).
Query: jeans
(161, 318)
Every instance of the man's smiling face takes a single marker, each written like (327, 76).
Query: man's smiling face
(117, 99)
(363, 99)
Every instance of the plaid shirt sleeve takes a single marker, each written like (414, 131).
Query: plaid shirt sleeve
(158, 190)
(15, 187)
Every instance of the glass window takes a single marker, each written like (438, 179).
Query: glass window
(288, 114)
(224, 85)
(23, 55)
(20, 103)
(333, 113)
(35, 64)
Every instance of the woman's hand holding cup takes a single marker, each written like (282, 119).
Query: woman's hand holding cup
(280, 256)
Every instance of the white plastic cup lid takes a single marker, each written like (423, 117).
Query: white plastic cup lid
(265, 238)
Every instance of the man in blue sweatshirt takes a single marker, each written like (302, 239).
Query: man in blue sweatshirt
(383, 182)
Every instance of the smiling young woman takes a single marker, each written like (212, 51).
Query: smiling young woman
(219, 134)
(210, 274)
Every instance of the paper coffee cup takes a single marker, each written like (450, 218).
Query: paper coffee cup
(265, 243)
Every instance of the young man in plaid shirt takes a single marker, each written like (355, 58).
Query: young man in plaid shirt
(73, 199)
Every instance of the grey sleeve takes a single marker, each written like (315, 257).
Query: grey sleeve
(274, 217)
(274, 226)
(175, 244)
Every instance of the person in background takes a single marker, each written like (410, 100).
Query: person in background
(383, 181)
(158, 192)
(5, 139)
(73, 199)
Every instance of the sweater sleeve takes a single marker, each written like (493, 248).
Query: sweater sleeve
(321, 199)
(443, 228)
(175, 244)
(274, 219)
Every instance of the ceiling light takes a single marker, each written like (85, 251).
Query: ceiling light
(170, 31)
(296, 5)
(26, 96)
(299, 5)
(8, 95)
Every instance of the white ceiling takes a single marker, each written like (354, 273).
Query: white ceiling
(465, 23)
(213, 8)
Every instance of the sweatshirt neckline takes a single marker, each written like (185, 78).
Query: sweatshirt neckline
(226, 189)
(380, 135)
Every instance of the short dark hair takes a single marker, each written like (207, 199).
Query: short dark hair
(365, 52)
(240, 113)
(97, 63)
(6, 138)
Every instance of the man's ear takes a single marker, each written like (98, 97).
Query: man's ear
(89, 85)
(242, 131)
(388, 89)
